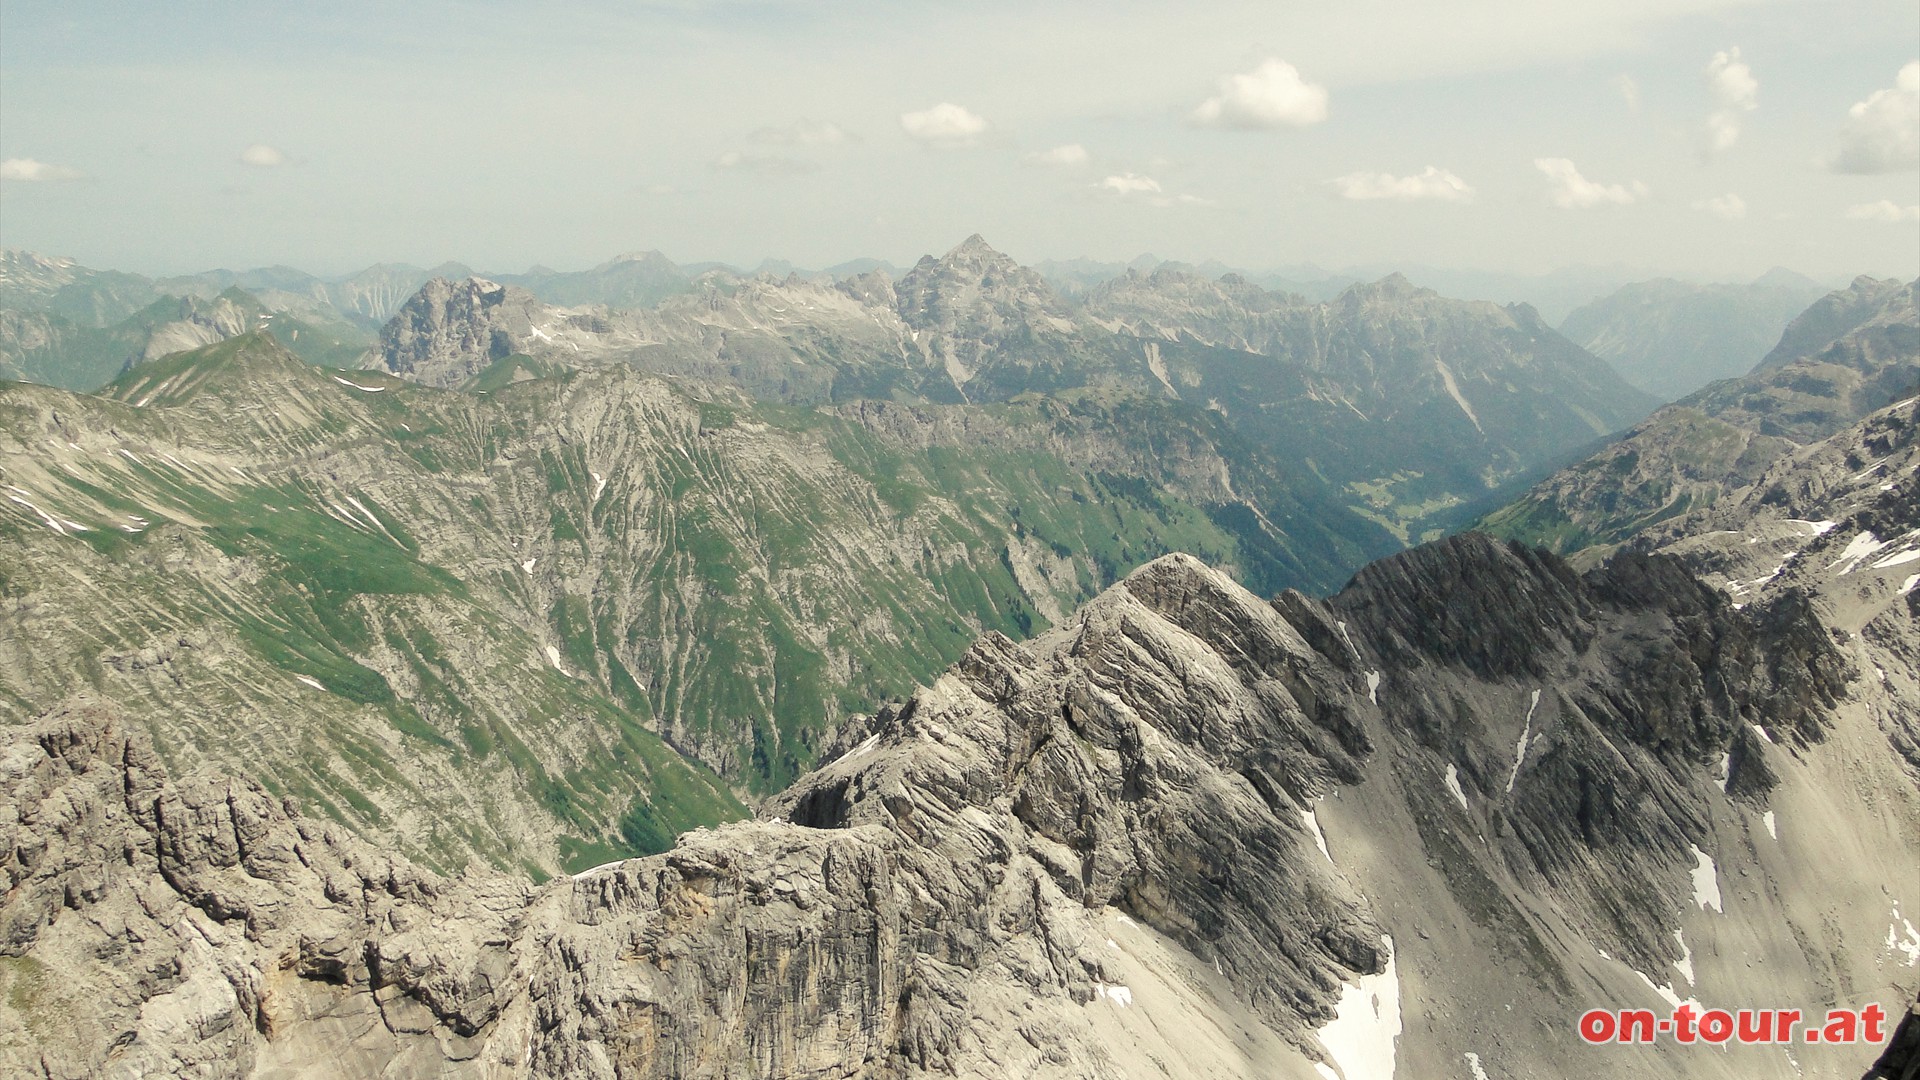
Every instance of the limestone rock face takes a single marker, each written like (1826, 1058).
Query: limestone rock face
(1186, 832)
(450, 331)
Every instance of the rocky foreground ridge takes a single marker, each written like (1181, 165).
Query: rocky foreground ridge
(1410, 830)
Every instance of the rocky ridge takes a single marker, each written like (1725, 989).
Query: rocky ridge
(1186, 832)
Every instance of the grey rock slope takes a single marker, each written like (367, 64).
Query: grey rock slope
(1833, 317)
(1416, 827)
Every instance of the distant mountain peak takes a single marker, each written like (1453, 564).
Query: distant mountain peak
(1782, 278)
(975, 247)
(1394, 286)
(649, 257)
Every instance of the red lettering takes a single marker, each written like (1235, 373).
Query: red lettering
(1683, 1025)
(1842, 1027)
(1876, 1019)
(1783, 1022)
(1716, 1026)
(1636, 1026)
(1597, 1026)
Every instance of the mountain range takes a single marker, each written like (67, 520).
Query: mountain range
(1414, 828)
(942, 673)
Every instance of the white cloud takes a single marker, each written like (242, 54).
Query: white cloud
(1885, 210)
(763, 164)
(1435, 184)
(37, 171)
(262, 156)
(945, 124)
(1882, 133)
(1571, 191)
(1129, 184)
(804, 133)
(1729, 207)
(1270, 96)
(1067, 156)
(1629, 91)
(1137, 188)
(1735, 91)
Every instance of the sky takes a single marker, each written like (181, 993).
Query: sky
(1700, 138)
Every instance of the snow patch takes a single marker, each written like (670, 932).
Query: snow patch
(1706, 881)
(52, 522)
(599, 485)
(1908, 945)
(1348, 638)
(1772, 829)
(1857, 550)
(1121, 996)
(1898, 560)
(1473, 1062)
(1312, 822)
(1373, 687)
(1366, 1026)
(1907, 585)
(592, 870)
(1726, 772)
(1762, 732)
(357, 386)
(528, 565)
(866, 747)
(1814, 528)
(1666, 992)
(1684, 965)
(1454, 788)
(1520, 752)
(553, 657)
(311, 681)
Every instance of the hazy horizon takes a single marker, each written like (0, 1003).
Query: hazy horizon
(1705, 139)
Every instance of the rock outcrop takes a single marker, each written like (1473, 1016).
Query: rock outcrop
(450, 331)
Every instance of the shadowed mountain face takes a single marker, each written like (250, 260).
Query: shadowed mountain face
(1722, 440)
